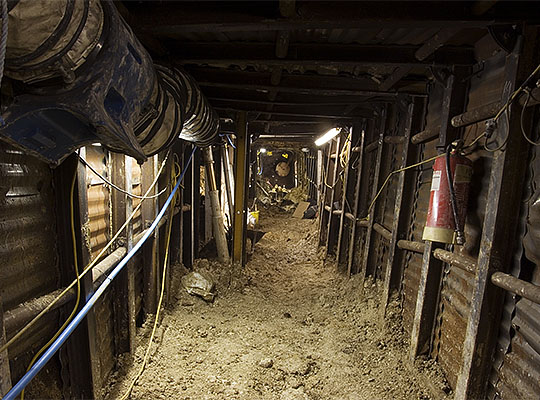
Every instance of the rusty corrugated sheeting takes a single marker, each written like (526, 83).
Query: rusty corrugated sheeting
(27, 228)
(99, 218)
(517, 373)
(413, 266)
(28, 251)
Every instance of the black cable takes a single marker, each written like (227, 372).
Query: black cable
(460, 238)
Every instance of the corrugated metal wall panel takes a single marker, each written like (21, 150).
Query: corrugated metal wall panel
(518, 373)
(28, 254)
(413, 266)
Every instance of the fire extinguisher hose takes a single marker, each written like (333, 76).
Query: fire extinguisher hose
(460, 237)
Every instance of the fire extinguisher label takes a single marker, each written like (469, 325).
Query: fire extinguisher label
(463, 174)
(436, 181)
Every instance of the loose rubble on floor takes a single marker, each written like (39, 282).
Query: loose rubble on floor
(286, 327)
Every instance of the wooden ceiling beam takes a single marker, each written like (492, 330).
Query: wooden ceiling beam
(319, 54)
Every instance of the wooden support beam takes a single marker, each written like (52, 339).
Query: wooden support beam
(82, 347)
(507, 177)
(403, 203)
(354, 139)
(398, 74)
(323, 208)
(435, 42)
(124, 298)
(148, 213)
(188, 222)
(368, 246)
(453, 102)
(330, 236)
(306, 91)
(319, 54)
(5, 372)
(241, 165)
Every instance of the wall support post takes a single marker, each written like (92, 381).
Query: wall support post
(497, 242)
(240, 189)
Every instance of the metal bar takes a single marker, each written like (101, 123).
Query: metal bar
(364, 223)
(337, 212)
(456, 260)
(453, 102)
(329, 239)
(478, 114)
(402, 204)
(381, 230)
(5, 373)
(417, 247)
(372, 146)
(426, 135)
(517, 286)
(506, 183)
(376, 175)
(240, 179)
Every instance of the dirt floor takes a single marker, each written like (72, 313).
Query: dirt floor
(287, 327)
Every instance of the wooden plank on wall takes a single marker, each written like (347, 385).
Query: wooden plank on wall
(330, 238)
(497, 242)
(353, 139)
(360, 163)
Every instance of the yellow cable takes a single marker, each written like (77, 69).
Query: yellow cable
(166, 258)
(76, 266)
(88, 268)
(390, 175)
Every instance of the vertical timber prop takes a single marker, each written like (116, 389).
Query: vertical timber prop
(82, 350)
(329, 232)
(323, 193)
(427, 300)
(344, 201)
(403, 203)
(240, 189)
(217, 217)
(352, 241)
(497, 243)
(366, 260)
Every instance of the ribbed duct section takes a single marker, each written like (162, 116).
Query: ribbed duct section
(79, 75)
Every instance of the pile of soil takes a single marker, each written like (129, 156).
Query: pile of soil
(286, 327)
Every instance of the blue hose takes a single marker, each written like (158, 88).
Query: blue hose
(25, 380)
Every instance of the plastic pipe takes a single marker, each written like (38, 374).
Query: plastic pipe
(25, 380)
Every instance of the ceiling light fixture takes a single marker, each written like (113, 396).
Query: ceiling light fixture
(332, 133)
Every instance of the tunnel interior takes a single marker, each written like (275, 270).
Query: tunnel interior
(269, 200)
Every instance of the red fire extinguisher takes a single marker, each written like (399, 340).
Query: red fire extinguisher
(448, 202)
